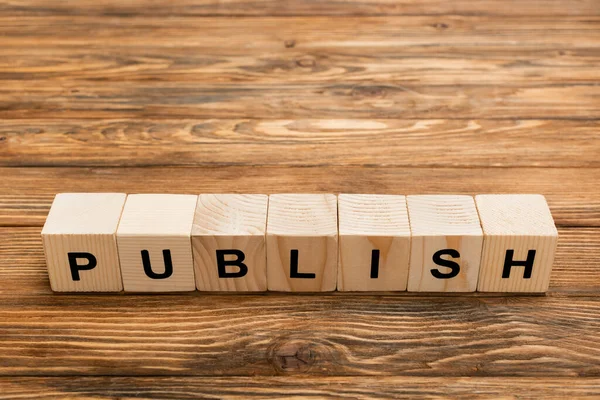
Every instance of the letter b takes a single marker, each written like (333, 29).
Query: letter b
(238, 262)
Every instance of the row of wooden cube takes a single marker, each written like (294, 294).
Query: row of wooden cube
(299, 242)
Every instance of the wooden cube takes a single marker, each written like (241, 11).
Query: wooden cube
(519, 243)
(302, 246)
(228, 242)
(154, 239)
(79, 242)
(374, 242)
(446, 243)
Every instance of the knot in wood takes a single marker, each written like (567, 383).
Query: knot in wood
(292, 356)
(306, 62)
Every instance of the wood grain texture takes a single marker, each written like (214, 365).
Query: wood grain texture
(256, 36)
(281, 334)
(448, 224)
(367, 387)
(572, 193)
(340, 101)
(226, 222)
(517, 229)
(115, 8)
(316, 142)
(368, 225)
(356, 61)
(299, 85)
(83, 223)
(302, 243)
(154, 237)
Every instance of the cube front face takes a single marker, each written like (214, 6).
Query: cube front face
(230, 263)
(430, 270)
(496, 251)
(302, 243)
(228, 242)
(154, 241)
(79, 242)
(146, 267)
(446, 243)
(63, 250)
(302, 264)
(373, 263)
(519, 244)
(374, 242)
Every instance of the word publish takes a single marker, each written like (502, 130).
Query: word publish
(110, 242)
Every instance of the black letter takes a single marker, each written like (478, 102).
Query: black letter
(148, 268)
(528, 264)
(437, 258)
(221, 263)
(294, 267)
(374, 264)
(75, 268)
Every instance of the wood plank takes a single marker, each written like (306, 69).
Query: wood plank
(356, 61)
(255, 36)
(482, 142)
(572, 193)
(23, 268)
(325, 335)
(50, 100)
(113, 8)
(367, 387)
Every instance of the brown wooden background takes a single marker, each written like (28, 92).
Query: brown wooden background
(356, 96)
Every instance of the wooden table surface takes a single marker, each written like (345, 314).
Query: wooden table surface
(355, 96)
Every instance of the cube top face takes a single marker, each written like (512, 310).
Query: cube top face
(84, 213)
(443, 215)
(373, 215)
(231, 215)
(515, 214)
(158, 215)
(302, 215)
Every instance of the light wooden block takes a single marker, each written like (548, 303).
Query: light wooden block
(79, 242)
(156, 228)
(517, 228)
(228, 242)
(374, 242)
(302, 232)
(446, 243)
